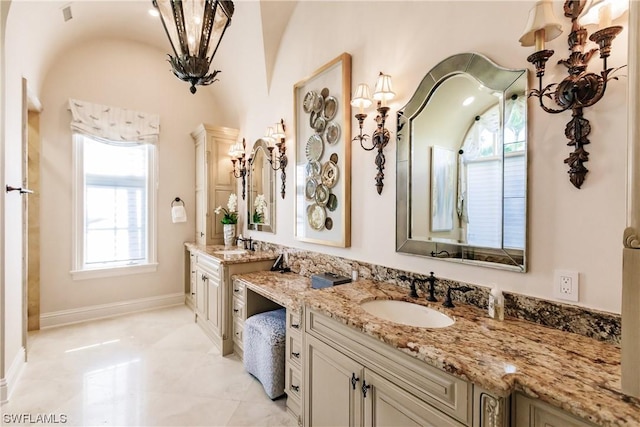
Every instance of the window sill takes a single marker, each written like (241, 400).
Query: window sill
(114, 271)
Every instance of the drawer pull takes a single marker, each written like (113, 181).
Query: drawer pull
(296, 355)
(235, 310)
(236, 290)
(295, 387)
(295, 325)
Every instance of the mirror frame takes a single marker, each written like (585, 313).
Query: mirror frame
(271, 185)
(493, 76)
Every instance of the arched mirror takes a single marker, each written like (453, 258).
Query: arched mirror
(462, 165)
(261, 209)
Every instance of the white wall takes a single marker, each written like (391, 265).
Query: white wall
(134, 76)
(568, 228)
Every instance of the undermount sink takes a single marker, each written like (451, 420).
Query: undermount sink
(407, 313)
(231, 252)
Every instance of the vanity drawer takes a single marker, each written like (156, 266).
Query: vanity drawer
(294, 349)
(238, 327)
(238, 289)
(210, 265)
(294, 321)
(238, 308)
(293, 383)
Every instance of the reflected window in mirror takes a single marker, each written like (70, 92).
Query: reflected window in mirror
(262, 190)
(461, 165)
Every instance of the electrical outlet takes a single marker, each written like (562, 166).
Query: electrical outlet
(566, 285)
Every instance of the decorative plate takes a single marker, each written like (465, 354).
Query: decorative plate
(318, 104)
(314, 148)
(309, 101)
(319, 124)
(332, 133)
(334, 158)
(310, 188)
(313, 169)
(316, 215)
(322, 195)
(328, 223)
(312, 118)
(330, 107)
(332, 203)
(329, 174)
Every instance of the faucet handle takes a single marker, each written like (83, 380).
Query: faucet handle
(447, 302)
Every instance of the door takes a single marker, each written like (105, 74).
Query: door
(333, 388)
(386, 404)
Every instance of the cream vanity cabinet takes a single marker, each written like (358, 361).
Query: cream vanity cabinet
(352, 379)
(533, 413)
(214, 303)
(294, 362)
(214, 179)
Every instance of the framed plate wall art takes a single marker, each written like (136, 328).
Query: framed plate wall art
(323, 154)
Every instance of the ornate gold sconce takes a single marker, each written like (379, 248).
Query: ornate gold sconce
(580, 89)
(237, 154)
(275, 138)
(362, 99)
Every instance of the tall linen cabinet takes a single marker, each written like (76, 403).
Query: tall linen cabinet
(214, 179)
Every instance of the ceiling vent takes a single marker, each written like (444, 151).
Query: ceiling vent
(66, 13)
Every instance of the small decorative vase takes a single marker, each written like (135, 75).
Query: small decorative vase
(229, 232)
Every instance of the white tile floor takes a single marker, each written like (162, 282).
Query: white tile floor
(155, 368)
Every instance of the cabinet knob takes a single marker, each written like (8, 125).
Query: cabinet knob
(295, 326)
(354, 380)
(296, 355)
(295, 387)
(236, 290)
(235, 310)
(201, 234)
(365, 387)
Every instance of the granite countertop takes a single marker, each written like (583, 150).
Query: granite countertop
(217, 252)
(578, 374)
(287, 289)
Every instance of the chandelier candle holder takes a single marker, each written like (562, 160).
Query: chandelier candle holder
(580, 89)
(238, 156)
(276, 138)
(362, 100)
(195, 30)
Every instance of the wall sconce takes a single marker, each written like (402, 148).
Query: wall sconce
(195, 30)
(275, 138)
(362, 99)
(237, 154)
(580, 89)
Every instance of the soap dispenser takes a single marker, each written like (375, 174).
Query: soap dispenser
(496, 304)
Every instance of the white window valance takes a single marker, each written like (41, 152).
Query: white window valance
(113, 124)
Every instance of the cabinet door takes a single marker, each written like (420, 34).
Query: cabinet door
(214, 300)
(201, 292)
(331, 397)
(533, 413)
(201, 191)
(386, 404)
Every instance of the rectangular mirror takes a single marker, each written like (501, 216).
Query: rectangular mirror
(261, 204)
(462, 165)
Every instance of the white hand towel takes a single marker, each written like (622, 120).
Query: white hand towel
(178, 214)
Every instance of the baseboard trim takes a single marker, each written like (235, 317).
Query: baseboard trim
(83, 314)
(8, 384)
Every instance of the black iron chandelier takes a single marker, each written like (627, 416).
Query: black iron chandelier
(195, 29)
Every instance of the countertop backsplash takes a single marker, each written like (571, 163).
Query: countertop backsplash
(595, 324)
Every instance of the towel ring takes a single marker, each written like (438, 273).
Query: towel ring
(177, 200)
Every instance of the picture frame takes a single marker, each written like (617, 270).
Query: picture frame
(323, 154)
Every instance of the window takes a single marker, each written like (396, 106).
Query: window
(115, 207)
